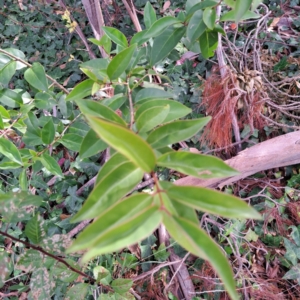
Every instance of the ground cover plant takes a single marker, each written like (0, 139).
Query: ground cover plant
(133, 121)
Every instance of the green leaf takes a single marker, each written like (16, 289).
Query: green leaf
(196, 241)
(116, 36)
(72, 141)
(114, 102)
(122, 285)
(36, 77)
(161, 254)
(48, 132)
(149, 15)
(4, 113)
(208, 43)
(6, 267)
(175, 132)
(1, 123)
(23, 180)
(63, 273)
(241, 7)
(211, 201)
(91, 145)
(196, 27)
(112, 186)
(7, 72)
(209, 17)
(77, 292)
(139, 38)
(194, 5)
(176, 111)
(8, 149)
(94, 108)
(81, 90)
(159, 26)
(51, 165)
(126, 142)
(151, 94)
(255, 4)
(41, 283)
(293, 273)
(33, 230)
(151, 118)
(4, 59)
(97, 67)
(10, 98)
(292, 251)
(123, 223)
(165, 43)
(197, 165)
(120, 62)
(230, 16)
(104, 42)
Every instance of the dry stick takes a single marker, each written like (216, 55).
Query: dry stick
(40, 249)
(222, 66)
(29, 65)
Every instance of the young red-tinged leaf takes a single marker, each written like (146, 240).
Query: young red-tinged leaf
(81, 90)
(7, 72)
(8, 149)
(120, 62)
(111, 187)
(94, 108)
(176, 111)
(198, 165)
(241, 7)
(72, 141)
(36, 77)
(196, 241)
(126, 142)
(209, 17)
(175, 132)
(51, 165)
(212, 201)
(91, 145)
(151, 118)
(165, 43)
(116, 36)
(149, 15)
(196, 27)
(159, 26)
(48, 132)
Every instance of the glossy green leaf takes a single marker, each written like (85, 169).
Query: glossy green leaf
(196, 27)
(72, 141)
(175, 132)
(97, 67)
(208, 43)
(51, 164)
(4, 59)
(165, 43)
(10, 98)
(94, 108)
(124, 223)
(241, 7)
(209, 17)
(114, 102)
(121, 285)
(81, 90)
(149, 15)
(151, 118)
(196, 241)
(126, 142)
(211, 201)
(194, 5)
(116, 36)
(36, 77)
(255, 4)
(109, 189)
(33, 230)
(151, 94)
(91, 145)
(33, 124)
(159, 26)
(230, 16)
(23, 180)
(104, 42)
(48, 132)
(4, 113)
(139, 38)
(120, 62)
(176, 111)
(7, 72)
(197, 165)
(8, 149)
(1, 123)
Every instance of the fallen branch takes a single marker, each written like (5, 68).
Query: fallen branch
(278, 152)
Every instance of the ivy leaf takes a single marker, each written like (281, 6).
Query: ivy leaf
(36, 77)
(126, 142)
(8, 149)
